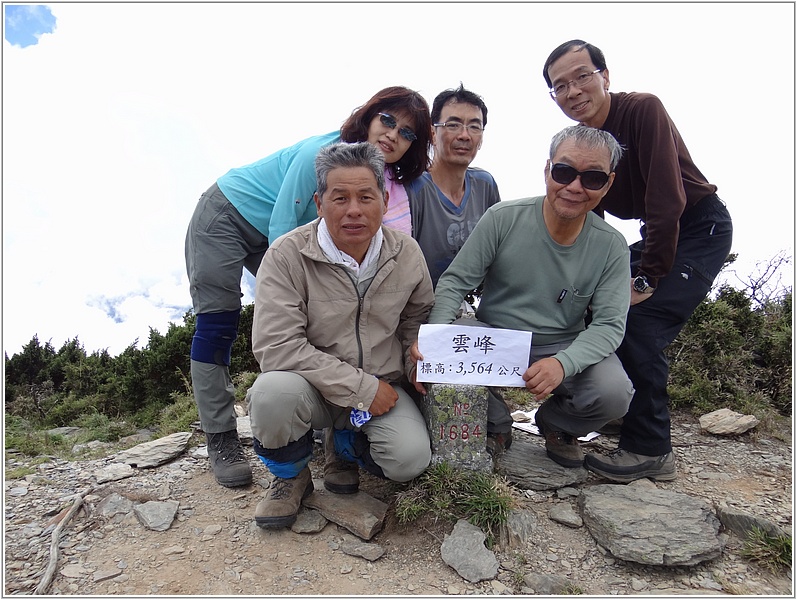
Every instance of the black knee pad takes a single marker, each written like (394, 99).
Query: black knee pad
(214, 336)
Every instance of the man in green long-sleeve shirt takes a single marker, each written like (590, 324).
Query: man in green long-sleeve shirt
(545, 261)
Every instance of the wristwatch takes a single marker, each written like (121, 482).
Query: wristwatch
(641, 285)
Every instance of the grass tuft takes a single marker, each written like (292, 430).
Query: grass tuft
(771, 552)
(484, 500)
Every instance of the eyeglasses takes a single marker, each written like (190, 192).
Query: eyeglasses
(455, 127)
(579, 82)
(591, 180)
(389, 121)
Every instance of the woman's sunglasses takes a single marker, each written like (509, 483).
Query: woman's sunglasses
(591, 180)
(389, 121)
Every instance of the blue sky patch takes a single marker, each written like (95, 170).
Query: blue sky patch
(25, 24)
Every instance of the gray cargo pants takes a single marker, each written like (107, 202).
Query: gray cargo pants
(283, 407)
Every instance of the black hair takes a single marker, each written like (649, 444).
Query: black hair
(459, 94)
(595, 55)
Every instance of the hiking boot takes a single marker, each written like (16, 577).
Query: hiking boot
(624, 466)
(613, 427)
(227, 458)
(340, 476)
(560, 446)
(284, 498)
(498, 443)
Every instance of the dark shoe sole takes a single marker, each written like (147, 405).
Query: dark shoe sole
(611, 428)
(654, 474)
(286, 520)
(337, 488)
(565, 462)
(237, 482)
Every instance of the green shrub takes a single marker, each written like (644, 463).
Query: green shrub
(178, 415)
(242, 382)
(731, 355)
(20, 436)
(100, 428)
(70, 409)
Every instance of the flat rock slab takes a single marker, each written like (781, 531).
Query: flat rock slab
(464, 551)
(527, 465)
(114, 472)
(360, 513)
(309, 521)
(742, 523)
(370, 552)
(650, 526)
(727, 422)
(156, 515)
(156, 452)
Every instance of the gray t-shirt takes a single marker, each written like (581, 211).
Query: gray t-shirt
(440, 227)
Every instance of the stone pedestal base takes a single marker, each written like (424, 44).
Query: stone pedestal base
(456, 416)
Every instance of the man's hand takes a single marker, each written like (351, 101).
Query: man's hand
(384, 400)
(543, 377)
(637, 297)
(416, 355)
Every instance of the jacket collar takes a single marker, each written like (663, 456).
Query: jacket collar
(391, 245)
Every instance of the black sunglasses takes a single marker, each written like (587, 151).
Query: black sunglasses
(389, 121)
(591, 180)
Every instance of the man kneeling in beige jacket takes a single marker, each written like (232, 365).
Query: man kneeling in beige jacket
(338, 304)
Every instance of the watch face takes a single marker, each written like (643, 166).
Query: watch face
(640, 284)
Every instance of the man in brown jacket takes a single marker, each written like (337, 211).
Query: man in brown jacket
(338, 304)
(686, 236)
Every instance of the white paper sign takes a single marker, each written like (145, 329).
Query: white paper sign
(473, 355)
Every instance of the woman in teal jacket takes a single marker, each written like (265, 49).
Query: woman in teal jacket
(253, 205)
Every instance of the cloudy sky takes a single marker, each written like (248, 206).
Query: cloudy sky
(116, 117)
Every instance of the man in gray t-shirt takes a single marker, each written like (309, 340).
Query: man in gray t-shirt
(447, 201)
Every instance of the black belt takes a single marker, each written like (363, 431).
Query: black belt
(705, 205)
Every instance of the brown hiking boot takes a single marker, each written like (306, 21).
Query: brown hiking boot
(613, 427)
(281, 505)
(340, 476)
(561, 447)
(227, 459)
(624, 466)
(498, 443)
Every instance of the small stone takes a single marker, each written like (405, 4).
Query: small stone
(73, 570)
(106, 574)
(638, 585)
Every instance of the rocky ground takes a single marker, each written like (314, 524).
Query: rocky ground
(213, 546)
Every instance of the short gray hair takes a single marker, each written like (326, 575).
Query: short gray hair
(336, 156)
(590, 137)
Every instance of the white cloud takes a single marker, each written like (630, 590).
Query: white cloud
(116, 123)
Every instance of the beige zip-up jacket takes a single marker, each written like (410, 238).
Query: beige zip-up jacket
(310, 319)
